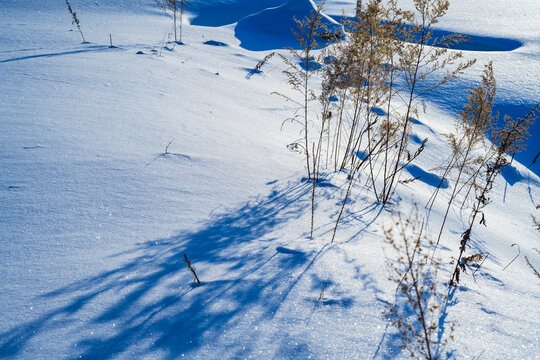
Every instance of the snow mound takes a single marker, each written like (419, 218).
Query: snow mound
(271, 28)
(218, 13)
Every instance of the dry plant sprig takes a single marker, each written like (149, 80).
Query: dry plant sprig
(508, 139)
(168, 145)
(418, 62)
(75, 19)
(537, 227)
(299, 73)
(515, 257)
(536, 222)
(534, 160)
(301, 69)
(532, 267)
(418, 306)
(267, 58)
(473, 122)
(188, 263)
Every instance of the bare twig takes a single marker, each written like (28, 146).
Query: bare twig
(191, 268)
(167, 147)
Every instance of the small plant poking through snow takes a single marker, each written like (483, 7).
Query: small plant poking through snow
(75, 19)
(537, 227)
(417, 308)
(261, 63)
(167, 146)
(191, 268)
(532, 267)
(536, 222)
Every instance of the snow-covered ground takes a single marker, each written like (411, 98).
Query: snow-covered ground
(95, 216)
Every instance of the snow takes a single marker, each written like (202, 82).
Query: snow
(261, 31)
(95, 215)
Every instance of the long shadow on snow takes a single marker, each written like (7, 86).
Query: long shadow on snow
(94, 48)
(149, 308)
(474, 42)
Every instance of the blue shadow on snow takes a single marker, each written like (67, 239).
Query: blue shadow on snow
(426, 177)
(219, 13)
(151, 307)
(272, 28)
(93, 48)
(474, 42)
(215, 43)
(452, 98)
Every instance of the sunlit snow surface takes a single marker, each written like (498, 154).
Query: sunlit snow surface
(95, 215)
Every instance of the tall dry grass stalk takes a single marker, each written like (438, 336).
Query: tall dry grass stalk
(75, 20)
(301, 67)
(508, 139)
(177, 9)
(468, 143)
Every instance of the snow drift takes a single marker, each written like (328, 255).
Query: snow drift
(271, 28)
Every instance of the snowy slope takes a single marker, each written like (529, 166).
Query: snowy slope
(95, 217)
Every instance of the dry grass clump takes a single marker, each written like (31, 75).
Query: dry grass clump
(371, 84)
